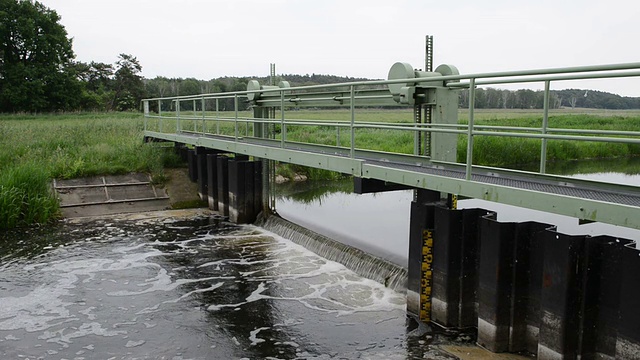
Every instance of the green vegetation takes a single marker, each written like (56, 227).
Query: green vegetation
(289, 171)
(520, 152)
(35, 59)
(25, 196)
(318, 190)
(38, 72)
(35, 149)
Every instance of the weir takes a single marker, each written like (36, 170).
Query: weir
(524, 286)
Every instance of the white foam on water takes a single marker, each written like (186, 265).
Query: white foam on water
(253, 336)
(275, 268)
(88, 312)
(132, 343)
(64, 338)
(197, 291)
(149, 310)
(328, 286)
(35, 311)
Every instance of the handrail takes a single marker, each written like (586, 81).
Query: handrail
(548, 71)
(369, 93)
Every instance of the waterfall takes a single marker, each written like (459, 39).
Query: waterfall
(358, 261)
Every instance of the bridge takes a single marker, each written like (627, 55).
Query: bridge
(524, 286)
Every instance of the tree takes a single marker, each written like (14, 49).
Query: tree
(97, 84)
(129, 87)
(35, 60)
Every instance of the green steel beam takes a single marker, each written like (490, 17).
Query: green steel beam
(319, 156)
(616, 214)
(316, 160)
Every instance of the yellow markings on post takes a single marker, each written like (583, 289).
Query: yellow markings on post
(426, 275)
(452, 201)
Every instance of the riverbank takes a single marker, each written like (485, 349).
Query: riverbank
(34, 149)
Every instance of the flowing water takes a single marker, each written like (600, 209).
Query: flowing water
(379, 223)
(195, 288)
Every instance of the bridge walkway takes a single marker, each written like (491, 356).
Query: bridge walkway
(436, 131)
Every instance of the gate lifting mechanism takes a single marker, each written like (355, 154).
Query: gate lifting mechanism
(405, 93)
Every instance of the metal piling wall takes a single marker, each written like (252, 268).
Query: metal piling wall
(528, 288)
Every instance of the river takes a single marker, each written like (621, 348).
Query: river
(131, 287)
(185, 286)
(379, 223)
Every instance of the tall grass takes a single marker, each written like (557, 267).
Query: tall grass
(25, 196)
(36, 149)
(517, 153)
(520, 152)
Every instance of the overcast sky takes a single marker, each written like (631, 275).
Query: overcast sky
(360, 38)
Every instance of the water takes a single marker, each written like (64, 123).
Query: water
(379, 223)
(198, 288)
(375, 223)
(391, 275)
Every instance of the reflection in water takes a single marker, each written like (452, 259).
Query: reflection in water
(379, 223)
(375, 223)
(191, 289)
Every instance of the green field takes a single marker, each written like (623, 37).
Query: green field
(35, 149)
(488, 150)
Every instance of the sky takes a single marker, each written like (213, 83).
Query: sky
(207, 39)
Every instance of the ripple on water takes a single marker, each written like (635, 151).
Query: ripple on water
(211, 289)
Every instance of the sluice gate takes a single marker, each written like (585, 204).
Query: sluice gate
(524, 286)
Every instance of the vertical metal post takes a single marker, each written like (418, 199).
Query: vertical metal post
(353, 120)
(235, 106)
(145, 105)
(545, 125)
(272, 184)
(428, 110)
(337, 135)
(472, 104)
(417, 135)
(272, 74)
(283, 129)
(195, 123)
(203, 116)
(177, 115)
(428, 66)
(160, 115)
(272, 110)
(428, 59)
(217, 116)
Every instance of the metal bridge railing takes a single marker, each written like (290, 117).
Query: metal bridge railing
(229, 114)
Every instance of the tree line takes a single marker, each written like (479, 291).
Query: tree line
(490, 98)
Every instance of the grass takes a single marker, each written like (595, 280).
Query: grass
(488, 150)
(25, 196)
(520, 152)
(36, 149)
